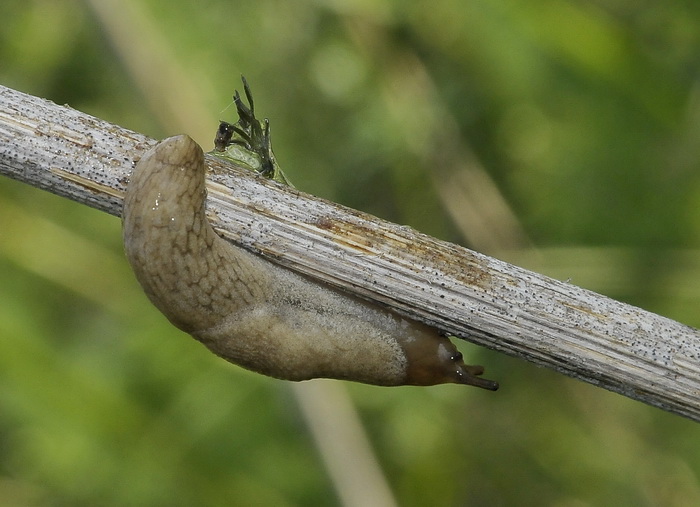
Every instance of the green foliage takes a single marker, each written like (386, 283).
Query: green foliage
(586, 117)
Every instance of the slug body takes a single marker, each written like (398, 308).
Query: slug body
(254, 313)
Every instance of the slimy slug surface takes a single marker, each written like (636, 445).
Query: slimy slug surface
(254, 313)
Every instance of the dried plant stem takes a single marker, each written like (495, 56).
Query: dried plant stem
(555, 324)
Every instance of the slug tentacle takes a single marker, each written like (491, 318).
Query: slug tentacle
(257, 314)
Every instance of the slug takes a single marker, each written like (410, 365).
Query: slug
(257, 314)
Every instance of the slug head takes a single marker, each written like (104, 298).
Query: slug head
(433, 359)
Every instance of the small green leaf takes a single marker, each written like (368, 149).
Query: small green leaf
(246, 143)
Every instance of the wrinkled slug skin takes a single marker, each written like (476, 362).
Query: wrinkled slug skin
(252, 312)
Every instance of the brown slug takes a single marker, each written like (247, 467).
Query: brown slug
(257, 314)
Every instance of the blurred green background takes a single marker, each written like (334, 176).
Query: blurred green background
(558, 135)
